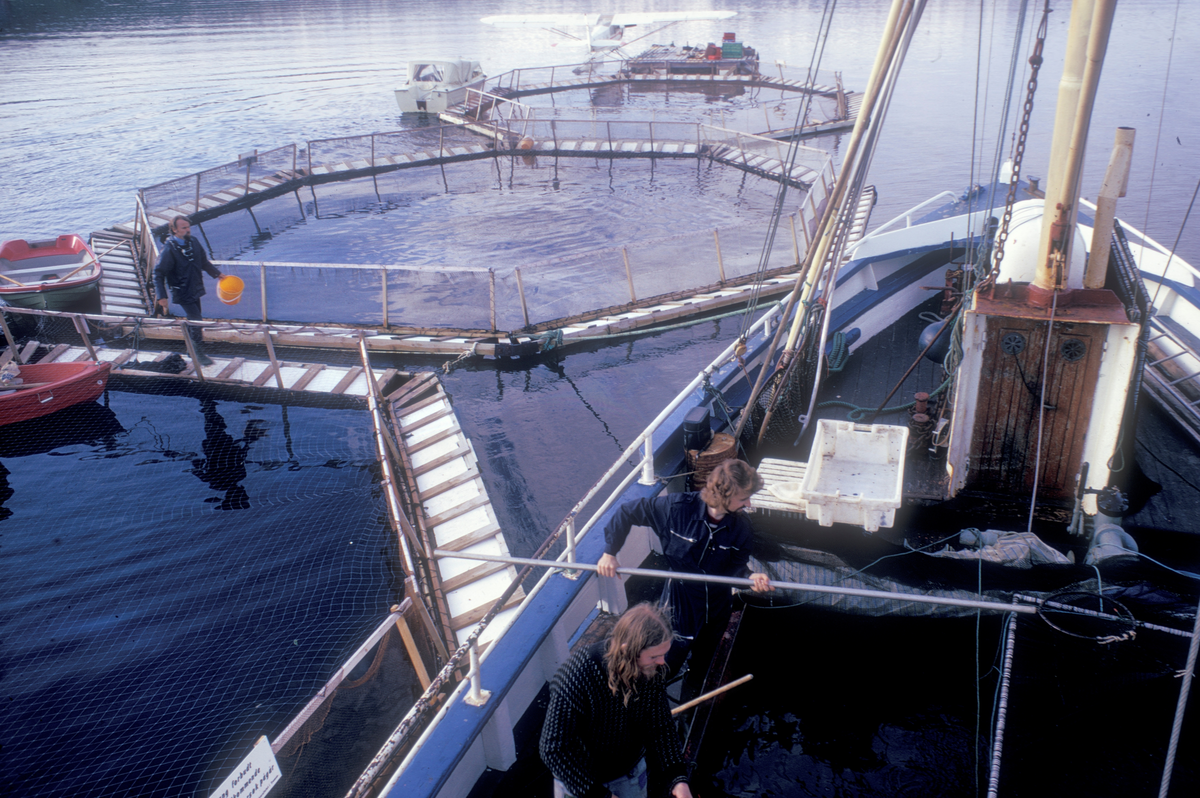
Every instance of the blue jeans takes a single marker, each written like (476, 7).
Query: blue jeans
(631, 785)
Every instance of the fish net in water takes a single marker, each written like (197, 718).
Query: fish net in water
(347, 723)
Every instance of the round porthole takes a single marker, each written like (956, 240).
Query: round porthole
(1073, 349)
(1012, 343)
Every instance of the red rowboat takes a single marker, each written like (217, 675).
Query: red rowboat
(48, 387)
(48, 275)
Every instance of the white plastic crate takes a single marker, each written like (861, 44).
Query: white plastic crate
(855, 474)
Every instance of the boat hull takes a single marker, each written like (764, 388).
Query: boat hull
(414, 99)
(47, 275)
(52, 387)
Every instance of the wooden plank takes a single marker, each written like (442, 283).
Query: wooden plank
(27, 351)
(459, 510)
(474, 616)
(54, 354)
(265, 377)
(429, 419)
(473, 575)
(459, 451)
(414, 654)
(124, 358)
(459, 479)
(230, 369)
(466, 541)
(346, 381)
(418, 382)
(309, 374)
(409, 409)
(432, 439)
(386, 378)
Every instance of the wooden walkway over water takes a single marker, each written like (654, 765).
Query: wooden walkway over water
(755, 160)
(449, 505)
(559, 334)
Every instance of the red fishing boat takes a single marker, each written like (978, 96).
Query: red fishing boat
(48, 387)
(47, 275)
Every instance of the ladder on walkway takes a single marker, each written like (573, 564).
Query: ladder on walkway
(121, 290)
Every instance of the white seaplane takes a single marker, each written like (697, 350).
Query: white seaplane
(604, 32)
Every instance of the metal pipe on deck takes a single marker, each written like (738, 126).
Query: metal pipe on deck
(735, 581)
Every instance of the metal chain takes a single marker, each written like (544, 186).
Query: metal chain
(1035, 63)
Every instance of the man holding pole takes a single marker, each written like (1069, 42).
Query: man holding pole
(704, 533)
(180, 266)
(608, 725)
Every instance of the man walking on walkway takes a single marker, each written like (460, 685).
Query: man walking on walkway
(180, 267)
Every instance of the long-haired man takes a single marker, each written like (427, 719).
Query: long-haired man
(608, 725)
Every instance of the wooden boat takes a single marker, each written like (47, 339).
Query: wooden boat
(435, 85)
(48, 275)
(50, 387)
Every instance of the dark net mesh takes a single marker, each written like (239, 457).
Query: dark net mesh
(184, 570)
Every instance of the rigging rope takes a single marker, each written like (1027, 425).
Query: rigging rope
(802, 114)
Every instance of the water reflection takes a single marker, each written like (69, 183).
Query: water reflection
(223, 466)
(89, 424)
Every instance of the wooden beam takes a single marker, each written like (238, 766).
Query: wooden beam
(473, 575)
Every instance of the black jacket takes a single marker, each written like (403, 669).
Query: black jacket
(591, 737)
(179, 268)
(691, 544)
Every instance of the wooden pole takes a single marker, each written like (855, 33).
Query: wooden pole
(81, 328)
(12, 344)
(262, 288)
(795, 241)
(92, 259)
(271, 354)
(628, 275)
(414, 654)
(385, 296)
(190, 345)
(700, 699)
(521, 291)
(492, 295)
(720, 260)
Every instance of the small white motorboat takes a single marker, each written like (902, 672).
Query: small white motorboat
(434, 86)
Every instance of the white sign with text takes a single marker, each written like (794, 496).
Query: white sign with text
(255, 776)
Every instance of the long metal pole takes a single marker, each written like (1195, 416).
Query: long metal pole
(740, 582)
(1180, 707)
(1002, 709)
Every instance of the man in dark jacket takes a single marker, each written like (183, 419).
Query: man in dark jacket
(180, 267)
(608, 725)
(703, 533)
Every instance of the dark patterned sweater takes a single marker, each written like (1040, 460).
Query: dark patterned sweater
(591, 737)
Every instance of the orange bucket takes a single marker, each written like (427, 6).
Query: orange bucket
(229, 289)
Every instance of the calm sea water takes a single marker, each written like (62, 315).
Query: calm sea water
(101, 97)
